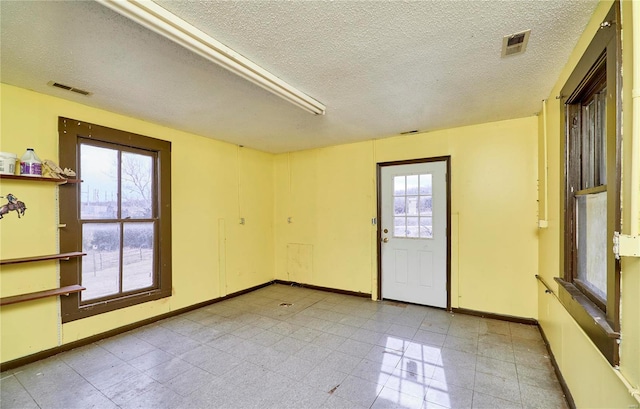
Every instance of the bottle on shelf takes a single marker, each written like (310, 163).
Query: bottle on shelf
(30, 164)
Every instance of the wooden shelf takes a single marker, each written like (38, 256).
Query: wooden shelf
(39, 179)
(61, 256)
(42, 294)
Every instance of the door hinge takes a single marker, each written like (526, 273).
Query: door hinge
(625, 245)
(374, 221)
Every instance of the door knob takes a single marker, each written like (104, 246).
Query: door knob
(385, 240)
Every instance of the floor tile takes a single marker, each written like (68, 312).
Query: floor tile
(327, 340)
(503, 352)
(355, 348)
(168, 370)
(359, 391)
(542, 378)
(302, 396)
(324, 378)
(389, 357)
(14, 395)
(295, 368)
(483, 401)
(496, 367)
(455, 376)
(429, 338)
(150, 359)
(499, 387)
(534, 397)
(126, 347)
(449, 396)
(408, 383)
(337, 402)
(373, 371)
(128, 389)
(469, 345)
(395, 399)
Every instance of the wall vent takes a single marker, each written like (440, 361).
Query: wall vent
(514, 44)
(69, 88)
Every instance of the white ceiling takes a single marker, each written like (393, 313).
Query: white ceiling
(380, 67)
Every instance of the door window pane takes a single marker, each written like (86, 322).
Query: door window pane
(412, 227)
(99, 173)
(426, 227)
(412, 205)
(399, 186)
(137, 256)
(399, 227)
(398, 206)
(412, 185)
(137, 180)
(426, 205)
(413, 199)
(101, 265)
(425, 184)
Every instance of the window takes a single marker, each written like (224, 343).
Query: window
(120, 216)
(590, 288)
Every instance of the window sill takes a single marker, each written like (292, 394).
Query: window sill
(591, 319)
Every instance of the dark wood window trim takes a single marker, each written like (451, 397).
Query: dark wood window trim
(70, 133)
(600, 65)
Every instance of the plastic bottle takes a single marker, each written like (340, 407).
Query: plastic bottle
(30, 164)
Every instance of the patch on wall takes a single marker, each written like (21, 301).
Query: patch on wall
(13, 204)
(300, 262)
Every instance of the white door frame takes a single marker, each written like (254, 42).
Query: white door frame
(447, 160)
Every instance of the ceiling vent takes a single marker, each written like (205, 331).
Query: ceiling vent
(69, 88)
(514, 44)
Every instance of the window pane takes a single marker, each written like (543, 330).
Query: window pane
(399, 227)
(412, 185)
(101, 265)
(588, 152)
(99, 194)
(412, 205)
(425, 184)
(426, 227)
(591, 241)
(137, 256)
(601, 140)
(398, 206)
(137, 181)
(412, 227)
(398, 185)
(426, 205)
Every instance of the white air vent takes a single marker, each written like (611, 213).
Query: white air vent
(515, 43)
(68, 88)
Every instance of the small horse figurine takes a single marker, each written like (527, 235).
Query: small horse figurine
(13, 204)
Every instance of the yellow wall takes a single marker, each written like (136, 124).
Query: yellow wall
(592, 381)
(213, 183)
(330, 194)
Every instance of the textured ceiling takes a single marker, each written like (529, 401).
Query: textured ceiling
(380, 68)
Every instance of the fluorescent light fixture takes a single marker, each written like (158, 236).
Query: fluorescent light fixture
(152, 16)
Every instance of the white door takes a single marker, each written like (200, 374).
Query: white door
(414, 233)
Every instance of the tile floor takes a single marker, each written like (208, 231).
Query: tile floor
(323, 351)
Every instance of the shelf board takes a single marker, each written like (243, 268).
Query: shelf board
(61, 256)
(39, 179)
(42, 294)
